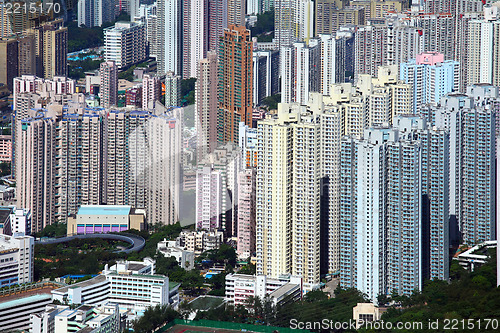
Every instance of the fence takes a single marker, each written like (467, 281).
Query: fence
(230, 326)
(29, 286)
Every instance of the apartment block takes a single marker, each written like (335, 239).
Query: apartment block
(206, 105)
(380, 176)
(333, 61)
(248, 146)
(484, 48)
(329, 17)
(109, 84)
(471, 120)
(431, 77)
(172, 90)
(200, 241)
(288, 198)
(93, 13)
(246, 214)
(151, 90)
(169, 36)
(125, 43)
(216, 190)
(235, 86)
(16, 260)
(388, 43)
(266, 74)
(300, 71)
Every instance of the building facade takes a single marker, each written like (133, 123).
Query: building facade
(235, 83)
(125, 43)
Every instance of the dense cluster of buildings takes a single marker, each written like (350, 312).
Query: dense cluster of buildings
(380, 157)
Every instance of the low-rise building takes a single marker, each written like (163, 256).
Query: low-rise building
(15, 313)
(200, 240)
(16, 260)
(364, 313)
(93, 292)
(134, 286)
(170, 249)
(6, 148)
(92, 219)
(84, 319)
(239, 287)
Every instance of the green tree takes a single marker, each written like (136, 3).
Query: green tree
(272, 101)
(154, 318)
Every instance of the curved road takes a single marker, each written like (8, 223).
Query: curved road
(136, 242)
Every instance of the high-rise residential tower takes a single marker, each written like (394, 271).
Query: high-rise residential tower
(206, 105)
(431, 77)
(172, 89)
(484, 48)
(151, 91)
(169, 36)
(109, 84)
(300, 71)
(235, 83)
(93, 13)
(472, 120)
(125, 43)
(288, 195)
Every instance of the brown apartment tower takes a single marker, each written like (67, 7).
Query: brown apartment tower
(235, 83)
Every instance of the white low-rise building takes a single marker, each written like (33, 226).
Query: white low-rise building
(93, 292)
(239, 287)
(16, 260)
(170, 249)
(200, 240)
(132, 285)
(15, 313)
(88, 319)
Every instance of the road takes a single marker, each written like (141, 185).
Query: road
(136, 242)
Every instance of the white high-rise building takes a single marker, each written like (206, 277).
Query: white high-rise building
(217, 190)
(300, 71)
(169, 36)
(93, 13)
(198, 42)
(151, 86)
(125, 43)
(484, 48)
(332, 62)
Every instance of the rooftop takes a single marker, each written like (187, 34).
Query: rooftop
(104, 210)
(284, 290)
(4, 213)
(97, 279)
(24, 300)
